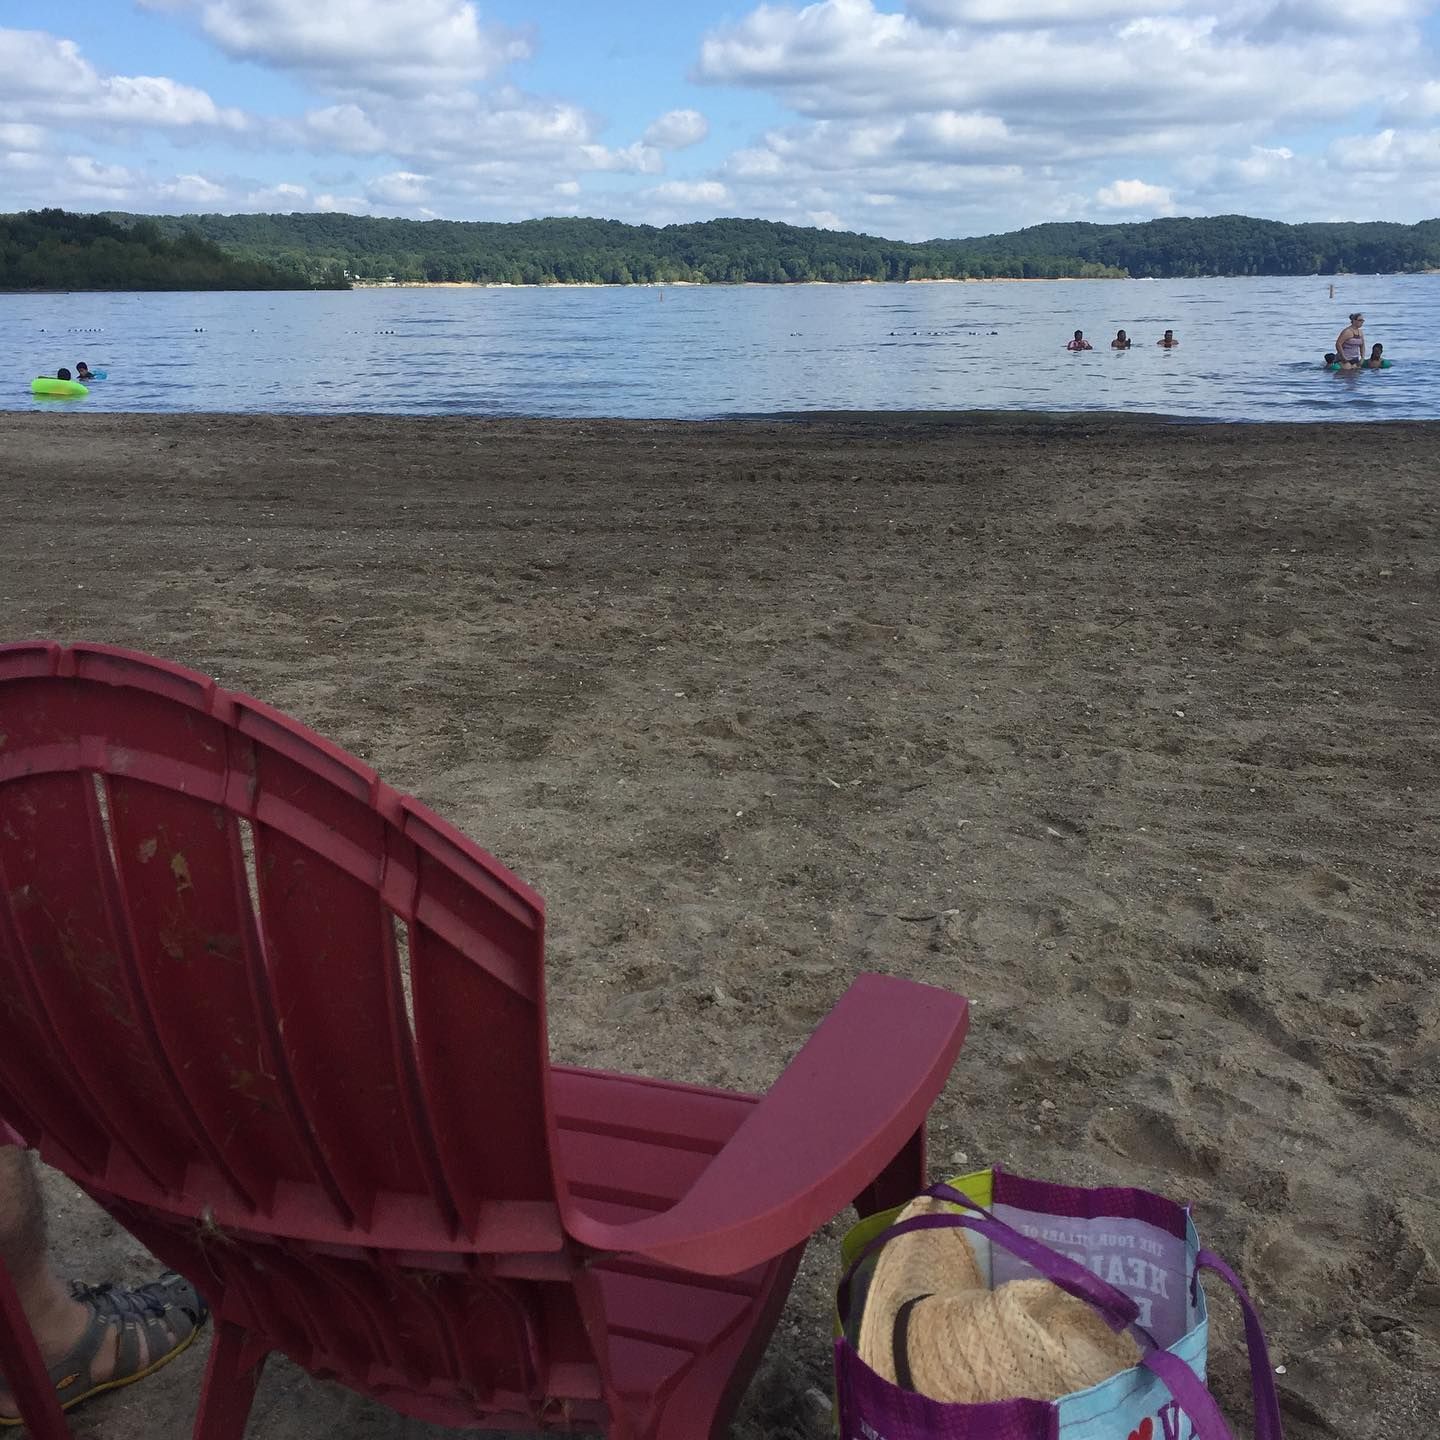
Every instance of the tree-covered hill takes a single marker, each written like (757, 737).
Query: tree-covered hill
(572, 250)
(55, 250)
(608, 252)
(1224, 245)
(310, 248)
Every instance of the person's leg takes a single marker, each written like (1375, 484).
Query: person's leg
(92, 1337)
(56, 1317)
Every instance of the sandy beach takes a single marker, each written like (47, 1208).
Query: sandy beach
(1126, 729)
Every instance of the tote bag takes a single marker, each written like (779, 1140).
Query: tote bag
(1132, 1255)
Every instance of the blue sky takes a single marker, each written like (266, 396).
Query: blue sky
(908, 118)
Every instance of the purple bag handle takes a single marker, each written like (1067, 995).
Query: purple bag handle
(1191, 1394)
(1262, 1374)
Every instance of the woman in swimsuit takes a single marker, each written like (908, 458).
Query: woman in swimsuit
(1350, 343)
(1079, 342)
(1120, 342)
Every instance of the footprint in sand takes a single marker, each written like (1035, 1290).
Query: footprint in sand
(1151, 1137)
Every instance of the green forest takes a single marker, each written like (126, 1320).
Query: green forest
(52, 250)
(55, 250)
(718, 251)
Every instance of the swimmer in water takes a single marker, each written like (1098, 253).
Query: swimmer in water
(84, 372)
(1375, 362)
(1121, 341)
(1169, 341)
(1350, 343)
(1079, 343)
(62, 373)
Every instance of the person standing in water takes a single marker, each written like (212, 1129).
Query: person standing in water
(1350, 343)
(1079, 342)
(1121, 341)
(1168, 340)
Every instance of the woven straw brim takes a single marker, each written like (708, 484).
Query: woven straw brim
(925, 1262)
(1026, 1340)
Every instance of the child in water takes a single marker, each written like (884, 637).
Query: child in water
(1079, 342)
(1168, 340)
(1375, 362)
(84, 372)
(1121, 341)
(62, 373)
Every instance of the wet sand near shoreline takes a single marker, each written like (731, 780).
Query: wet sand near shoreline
(1126, 729)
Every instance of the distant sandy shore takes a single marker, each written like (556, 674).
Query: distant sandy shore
(1126, 729)
(707, 285)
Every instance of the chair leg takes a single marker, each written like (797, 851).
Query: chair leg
(228, 1392)
(901, 1180)
(26, 1378)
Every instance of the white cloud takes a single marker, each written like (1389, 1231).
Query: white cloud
(845, 58)
(1135, 195)
(192, 190)
(676, 130)
(400, 187)
(755, 163)
(1388, 152)
(990, 114)
(344, 204)
(691, 192)
(1014, 14)
(346, 128)
(284, 197)
(1310, 17)
(420, 46)
(636, 159)
(1263, 164)
(918, 117)
(46, 78)
(22, 137)
(1420, 103)
(805, 53)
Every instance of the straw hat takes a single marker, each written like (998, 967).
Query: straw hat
(933, 1326)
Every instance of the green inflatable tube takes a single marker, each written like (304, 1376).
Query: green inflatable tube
(1384, 365)
(58, 389)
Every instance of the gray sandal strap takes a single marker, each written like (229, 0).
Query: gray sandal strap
(74, 1368)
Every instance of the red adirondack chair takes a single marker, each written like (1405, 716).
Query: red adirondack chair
(288, 1027)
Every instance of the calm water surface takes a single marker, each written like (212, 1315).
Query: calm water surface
(1250, 349)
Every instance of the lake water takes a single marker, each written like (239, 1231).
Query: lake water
(1250, 349)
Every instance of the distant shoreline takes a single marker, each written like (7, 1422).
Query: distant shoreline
(722, 284)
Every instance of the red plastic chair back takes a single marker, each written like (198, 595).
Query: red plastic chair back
(290, 1026)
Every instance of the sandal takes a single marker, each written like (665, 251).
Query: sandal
(167, 1314)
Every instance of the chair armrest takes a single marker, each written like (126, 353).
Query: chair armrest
(844, 1108)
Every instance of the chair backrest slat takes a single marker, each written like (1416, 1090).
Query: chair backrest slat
(71, 968)
(187, 893)
(488, 1112)
(332, 962)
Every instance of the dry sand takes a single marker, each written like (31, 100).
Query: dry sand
(1125, 729)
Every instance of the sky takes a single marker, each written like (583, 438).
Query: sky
(906, 118)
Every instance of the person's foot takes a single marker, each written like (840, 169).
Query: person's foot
(109, 1337)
